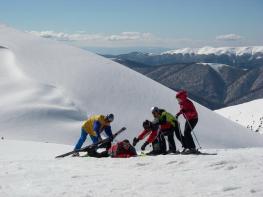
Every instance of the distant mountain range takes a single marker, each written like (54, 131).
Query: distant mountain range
(215, 77)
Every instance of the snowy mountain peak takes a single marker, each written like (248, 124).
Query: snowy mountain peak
(235, 51)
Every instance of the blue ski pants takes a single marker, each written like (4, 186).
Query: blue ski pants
(83, 137)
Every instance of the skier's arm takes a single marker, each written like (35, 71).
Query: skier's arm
(162, 119)
(152, 136)
(155, 121)
(96, 128)
(186, 107)
(182, 110)
(143, 134)
(108, 131)
(179, 113)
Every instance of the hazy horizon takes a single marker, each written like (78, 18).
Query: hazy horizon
(122, 24)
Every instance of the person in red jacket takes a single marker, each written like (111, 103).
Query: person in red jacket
(150, 130)
(189, 112)
(121, 149)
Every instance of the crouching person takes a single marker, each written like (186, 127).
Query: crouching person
(168, 125)
(93, 127)
(151, 130)
(121, 149)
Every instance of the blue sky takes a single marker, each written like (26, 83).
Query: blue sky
(142, 23)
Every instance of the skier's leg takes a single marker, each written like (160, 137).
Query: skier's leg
(178, 134)
(189, 125)
(156, 145)
(106, 145)
(94, 153)
(81, 140)
(172, 146)
(94, 139)
(103, 154)
(162, 143)
(193, 124)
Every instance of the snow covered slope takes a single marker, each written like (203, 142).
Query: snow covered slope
(31, 170)
(55, 86)
(248, 114)
(30, 109)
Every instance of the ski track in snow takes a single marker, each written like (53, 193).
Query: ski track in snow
(29, 169)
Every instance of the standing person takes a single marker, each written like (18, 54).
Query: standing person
(93, 127)
(189, 112)
(168, 125)
(151, 130)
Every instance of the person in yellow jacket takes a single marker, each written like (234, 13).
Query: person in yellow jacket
(93, 126)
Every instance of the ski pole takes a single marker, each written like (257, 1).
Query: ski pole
(192, 131)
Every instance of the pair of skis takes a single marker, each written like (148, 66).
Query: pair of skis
(86, 148)
(143, 154)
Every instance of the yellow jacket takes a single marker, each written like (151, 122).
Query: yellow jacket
(89, 124)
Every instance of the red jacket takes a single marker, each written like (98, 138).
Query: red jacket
(152, 135)
(186, 106)
(118, 151)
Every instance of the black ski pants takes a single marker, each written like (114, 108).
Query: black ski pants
(93, 153)
(188, 138)
(178, 133)
(170, 134)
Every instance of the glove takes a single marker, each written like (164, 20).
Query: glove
(135, 141)
(111, 138)
(177, 115)
(144, 146)
(99, 138)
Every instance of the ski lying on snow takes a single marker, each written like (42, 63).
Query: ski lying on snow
(178, 153)
(84, 149)
(197, 153)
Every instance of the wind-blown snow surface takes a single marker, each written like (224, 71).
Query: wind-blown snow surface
(54, 86)
(31, 170)
(248, 114)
